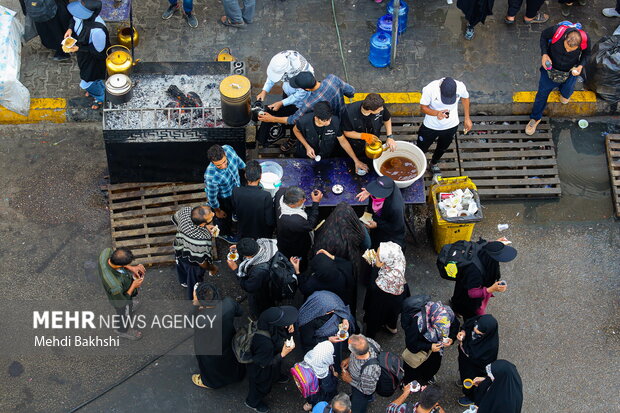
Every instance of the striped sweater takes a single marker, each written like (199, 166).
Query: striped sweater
(193, 243)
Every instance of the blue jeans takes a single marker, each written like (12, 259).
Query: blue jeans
(545, 86)
(97, 90)
(188, 5)
(234, 12)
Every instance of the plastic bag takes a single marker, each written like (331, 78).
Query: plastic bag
(603, 69)
(13, 95)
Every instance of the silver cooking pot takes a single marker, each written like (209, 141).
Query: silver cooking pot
(118, 89)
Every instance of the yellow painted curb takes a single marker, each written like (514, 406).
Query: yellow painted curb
(581, 96)
(392, 98)
(53, 110)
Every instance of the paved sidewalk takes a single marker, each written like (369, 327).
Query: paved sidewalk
(500, 60)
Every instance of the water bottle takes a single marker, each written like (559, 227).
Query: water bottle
(380, 49)
(402, 15)
(384, 25)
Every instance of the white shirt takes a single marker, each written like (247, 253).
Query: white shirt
(431, 97)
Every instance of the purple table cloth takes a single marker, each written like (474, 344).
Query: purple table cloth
(310, 175)
(115, 11)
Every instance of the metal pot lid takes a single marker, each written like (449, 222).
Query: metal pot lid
(118, 84)
(235, 86)
(120, 57)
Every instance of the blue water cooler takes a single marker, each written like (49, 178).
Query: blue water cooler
(384, 25)
(380, 49)
(402, 15)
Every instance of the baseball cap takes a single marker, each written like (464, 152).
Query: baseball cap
(304, 80)
(84, 9)
(382, 187)
(448, 91)
(500, 252)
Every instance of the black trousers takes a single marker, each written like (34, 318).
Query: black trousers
(189, 274)
(531, 7)
(359, 401)
(125, 312)
(225, 224)
(426, 137)
(265, 127)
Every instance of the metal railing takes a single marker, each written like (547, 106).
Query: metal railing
(161, 118)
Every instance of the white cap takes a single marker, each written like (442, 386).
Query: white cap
(286, 65)
(278, 65)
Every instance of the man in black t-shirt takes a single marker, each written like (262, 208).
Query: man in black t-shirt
(318, 131)
(363, 120)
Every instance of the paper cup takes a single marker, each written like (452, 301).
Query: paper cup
(583, 123)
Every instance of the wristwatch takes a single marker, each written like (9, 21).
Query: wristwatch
(389, 136)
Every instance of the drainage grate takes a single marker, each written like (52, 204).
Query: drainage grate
(612, 143)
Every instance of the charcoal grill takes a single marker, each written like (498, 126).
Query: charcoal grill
(148, 141)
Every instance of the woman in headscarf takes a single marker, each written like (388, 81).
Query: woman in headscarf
(386, 203)
(474, 288)
(52, 30)
(215, 370)
(320, 318)
(501, 391)
(385, 295)
(327, 272)
(253, 272)
(478, 347)
(321, 360)
(90, 31)
(275, 325)
(428, 332)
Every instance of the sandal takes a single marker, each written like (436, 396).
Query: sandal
(224, 20)
(288, 145)
(96, 105)
(539, 18)
(197, 380)
(508, 21)
(307, 407)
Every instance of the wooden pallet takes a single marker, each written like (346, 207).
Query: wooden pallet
(505, 163)
(140, 216)
(612, 143)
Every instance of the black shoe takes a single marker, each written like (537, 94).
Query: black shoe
(170, 11)
(565, 9)
(61, 56)
(261, 408)
(284, 379)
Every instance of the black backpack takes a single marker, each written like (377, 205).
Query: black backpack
(282, 278)
(458, 255)
(242, 342)
(41, 10)
(392, 371)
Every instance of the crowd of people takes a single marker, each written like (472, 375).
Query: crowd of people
(302, 275)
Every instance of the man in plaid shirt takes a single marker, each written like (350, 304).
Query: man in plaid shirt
(221, 177)
(363, 385)
(332, 89)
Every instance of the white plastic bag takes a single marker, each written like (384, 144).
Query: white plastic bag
(13, 95)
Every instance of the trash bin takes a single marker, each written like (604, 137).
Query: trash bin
(447, 230)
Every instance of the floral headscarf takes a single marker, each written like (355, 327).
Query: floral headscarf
(391, 277)
(434, 321)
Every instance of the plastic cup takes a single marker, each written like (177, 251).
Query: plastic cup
(583, 123)
(468, 383)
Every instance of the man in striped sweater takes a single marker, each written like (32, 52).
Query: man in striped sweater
(193, 245)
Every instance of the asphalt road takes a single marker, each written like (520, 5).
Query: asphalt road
(558, 320)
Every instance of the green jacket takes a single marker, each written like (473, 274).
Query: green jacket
(115, 282)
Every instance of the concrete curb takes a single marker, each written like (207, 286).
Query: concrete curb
(582, 104)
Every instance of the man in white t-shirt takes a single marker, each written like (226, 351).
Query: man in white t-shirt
(439, 102)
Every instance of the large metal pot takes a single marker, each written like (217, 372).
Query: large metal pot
(118, 89)
(118, 60)
(124, 36)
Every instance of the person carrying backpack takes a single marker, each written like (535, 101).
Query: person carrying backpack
(51, 19)
(477, 281)
(363, 379)
(253, 271)
(565, 48)
(268, 348)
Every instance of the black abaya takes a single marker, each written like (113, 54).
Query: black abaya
(381, 308)
(476, 11)
(502, 394)
(52, 32)
(478, 351)
(219, 371)
(325, 274)
(390, 220)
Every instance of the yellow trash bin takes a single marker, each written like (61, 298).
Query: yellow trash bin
(448, 230)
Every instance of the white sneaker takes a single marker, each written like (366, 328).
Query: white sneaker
(610, 12)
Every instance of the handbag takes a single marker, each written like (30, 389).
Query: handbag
(558, 76)
(415, 360)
